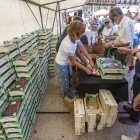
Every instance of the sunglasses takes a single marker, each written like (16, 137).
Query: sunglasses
(106, 22)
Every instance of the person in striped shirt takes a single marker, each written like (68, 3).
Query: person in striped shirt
(94, 26)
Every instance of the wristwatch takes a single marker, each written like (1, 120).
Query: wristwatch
(135, 53)
(112, 45)
(136, 102)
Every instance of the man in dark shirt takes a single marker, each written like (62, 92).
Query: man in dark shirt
(64, 34)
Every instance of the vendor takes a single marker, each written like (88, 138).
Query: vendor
(66, 54)
(109, 35)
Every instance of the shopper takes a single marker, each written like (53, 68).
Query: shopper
(134, 115)
(85, 21)
(109, 35)
(94, 26)
(69, 19)
(125, 33)
(66, 54)
(136, 107)
(134, 12)
(102, 26)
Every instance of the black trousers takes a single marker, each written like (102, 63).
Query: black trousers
(135, 115)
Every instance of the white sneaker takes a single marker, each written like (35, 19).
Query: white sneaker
(130, 103)
(123, 137)
(129, 71)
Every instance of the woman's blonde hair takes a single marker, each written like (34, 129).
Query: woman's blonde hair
(75, 29)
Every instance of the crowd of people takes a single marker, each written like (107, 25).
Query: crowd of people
(120, 34)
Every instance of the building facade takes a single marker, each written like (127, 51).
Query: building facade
(95, 5)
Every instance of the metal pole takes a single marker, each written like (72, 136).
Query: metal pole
(59, 18)
(62, 21)
(41, 17)
(47, 19)
(32, 13)
(54, 18)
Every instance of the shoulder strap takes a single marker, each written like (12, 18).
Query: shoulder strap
(111, 32)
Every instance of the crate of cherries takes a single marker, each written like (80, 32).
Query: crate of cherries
(19, 87)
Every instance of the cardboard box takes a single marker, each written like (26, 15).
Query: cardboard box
(95, 55)
(80, 129)
(92, 104)
(108, 103)
(79, 112)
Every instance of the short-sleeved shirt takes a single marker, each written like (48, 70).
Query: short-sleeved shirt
(95, 22)
(125, 31)
(136, 34)
(102, 26)
(64, 34)
(67, 48)
(109, 32)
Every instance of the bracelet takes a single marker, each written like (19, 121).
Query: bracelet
(136, 102)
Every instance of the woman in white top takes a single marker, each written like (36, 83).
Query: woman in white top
(109, 34)
(66, 54)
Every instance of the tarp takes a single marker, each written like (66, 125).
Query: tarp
(64, 5)
(101, 12)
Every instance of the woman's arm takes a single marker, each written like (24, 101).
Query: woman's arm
(85, 53)
(74, 62)
(83, 59)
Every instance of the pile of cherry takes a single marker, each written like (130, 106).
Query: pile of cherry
(12, 107)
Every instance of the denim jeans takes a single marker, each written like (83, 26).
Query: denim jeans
(63, 74)
(135, 115)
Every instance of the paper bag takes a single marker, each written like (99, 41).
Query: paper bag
(70, 104)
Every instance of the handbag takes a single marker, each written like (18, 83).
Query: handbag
(97, 48)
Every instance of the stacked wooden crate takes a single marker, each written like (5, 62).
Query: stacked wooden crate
(53, 42)
(109, 106)
(100, 112)
(79, 116)
(23, 77)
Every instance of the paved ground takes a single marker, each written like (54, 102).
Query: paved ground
(61, 126)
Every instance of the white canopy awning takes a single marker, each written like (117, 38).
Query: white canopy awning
(66, 5)
(101, 12)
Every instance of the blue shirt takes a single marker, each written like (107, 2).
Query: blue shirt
(102, 26)
(95, 23)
